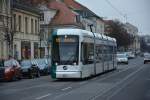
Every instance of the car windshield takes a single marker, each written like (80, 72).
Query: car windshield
(41, 61)
(146, 54)
(25, 63)
(9, 63)
(121, 56)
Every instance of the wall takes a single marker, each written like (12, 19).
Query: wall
(4, 27)
(27, 35)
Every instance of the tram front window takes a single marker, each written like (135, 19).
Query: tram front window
(65, 50)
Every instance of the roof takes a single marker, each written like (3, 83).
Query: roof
(81, 32)
(23, 6)
(79, 7)
(64, 15)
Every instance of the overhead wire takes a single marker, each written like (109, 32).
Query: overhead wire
(116, 9)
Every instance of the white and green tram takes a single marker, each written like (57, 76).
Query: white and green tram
(79, 53)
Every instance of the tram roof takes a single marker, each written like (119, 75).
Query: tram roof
(81, 32)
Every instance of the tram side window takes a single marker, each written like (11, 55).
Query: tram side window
(87, 53)
(98, 53)
(115, 52)
(111, 53)
(105, 53)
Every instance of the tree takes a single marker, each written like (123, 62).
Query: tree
(117, 31)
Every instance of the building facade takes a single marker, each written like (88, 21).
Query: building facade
(5, 26)
(133, 31)
(86, 16)
(47, 15)
(64, 17)
(26, 29)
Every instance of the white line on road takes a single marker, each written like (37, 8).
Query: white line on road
(44, 96)
(64, 89)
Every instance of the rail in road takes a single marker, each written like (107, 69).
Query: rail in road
(45, 88)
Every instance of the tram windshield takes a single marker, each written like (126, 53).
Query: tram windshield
(65, 50)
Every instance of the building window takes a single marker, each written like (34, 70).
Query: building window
(7, 6)
(1, 5)
(1, 18)
(15, 51)
(26, 25)
(36, 50)
(36, 27)
(14, 18)
(25, 50)
(4, 5)
(42, 17)
(19, 23)
(32, 26)
(78, 18)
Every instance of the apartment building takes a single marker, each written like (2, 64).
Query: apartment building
(5, 27)
(26, 28)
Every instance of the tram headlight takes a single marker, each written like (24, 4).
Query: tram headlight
(56, 63)
(74, 63)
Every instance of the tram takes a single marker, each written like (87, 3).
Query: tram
(78, 53)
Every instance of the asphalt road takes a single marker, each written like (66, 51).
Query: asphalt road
(128, 82)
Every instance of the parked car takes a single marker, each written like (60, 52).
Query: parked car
(146, 57)
(122, 58)
(30, 69)
(12, 70)
(2, 70)
(44, 65)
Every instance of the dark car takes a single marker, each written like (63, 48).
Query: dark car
(2, 70)
(30, 69)
(44, 65)
(12, 70)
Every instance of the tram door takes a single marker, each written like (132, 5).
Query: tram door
(105, 58)
(110, 57)
(99, 62)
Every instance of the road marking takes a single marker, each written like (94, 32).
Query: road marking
(123, 86)
(44, 96)
(64, 89)
(118, 83)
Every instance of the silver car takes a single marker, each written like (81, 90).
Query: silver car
(122, 58)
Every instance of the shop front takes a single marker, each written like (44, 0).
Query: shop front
(25, 50)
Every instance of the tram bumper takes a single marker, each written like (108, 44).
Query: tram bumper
(62, 74)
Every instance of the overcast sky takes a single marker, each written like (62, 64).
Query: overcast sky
(137, 11)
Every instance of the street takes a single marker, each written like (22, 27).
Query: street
(128, 82)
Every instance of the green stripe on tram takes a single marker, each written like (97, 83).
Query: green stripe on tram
(53, 71)
(53, 67)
